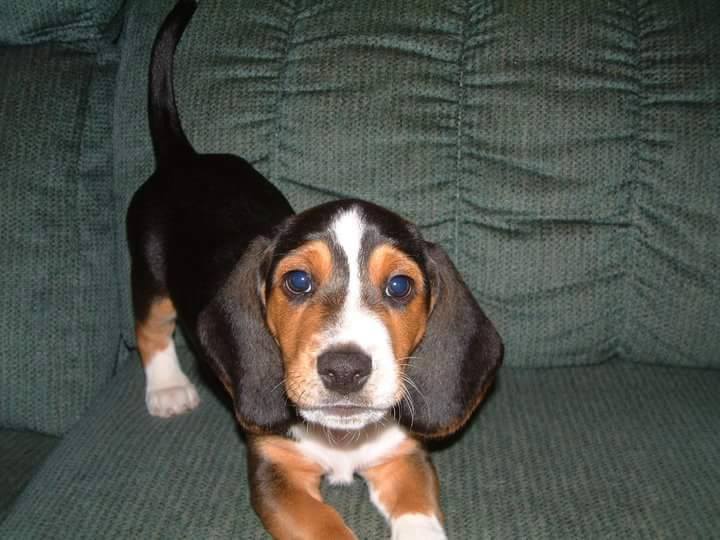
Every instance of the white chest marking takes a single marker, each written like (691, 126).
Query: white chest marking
(342, 455)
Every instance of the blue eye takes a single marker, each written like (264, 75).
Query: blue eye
(298, 282)
(398, 286)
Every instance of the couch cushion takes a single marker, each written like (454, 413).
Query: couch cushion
(58, 299)
(565, 154)
(21, 454)
(37, 21)
(605, 451)
(673, 248)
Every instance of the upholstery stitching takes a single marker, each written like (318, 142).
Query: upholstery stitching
(80, 134)
(273, 167)
(633, 179)
(459, 130)
(121, 200)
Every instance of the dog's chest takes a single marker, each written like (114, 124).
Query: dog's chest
(341, 455)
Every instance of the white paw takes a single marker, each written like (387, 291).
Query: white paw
(173, 400)
(417, 527)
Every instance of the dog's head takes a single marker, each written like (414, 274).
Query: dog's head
(346, 316)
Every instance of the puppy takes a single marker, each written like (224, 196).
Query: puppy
(342, 336)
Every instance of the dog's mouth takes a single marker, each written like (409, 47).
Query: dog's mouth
(344, 410)
(343, 416)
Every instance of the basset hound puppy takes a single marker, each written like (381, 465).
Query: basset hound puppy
(343, 337)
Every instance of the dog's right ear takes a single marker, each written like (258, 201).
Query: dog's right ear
(456, 362)
(238, 345)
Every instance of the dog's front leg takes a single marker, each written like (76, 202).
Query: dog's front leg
(285, 493)
(406, 490)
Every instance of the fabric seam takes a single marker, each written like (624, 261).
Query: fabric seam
(633, 178)
(273, 165)
(459, 131)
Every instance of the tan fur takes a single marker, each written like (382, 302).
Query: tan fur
(406, 483)
(296, 326)
(406, 325)
(293, 508)
(155, 332)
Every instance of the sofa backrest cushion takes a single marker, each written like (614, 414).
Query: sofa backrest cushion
(24, 22)
(564, 153)
(58, 292)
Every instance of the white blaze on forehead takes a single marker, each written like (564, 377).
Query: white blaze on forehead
(348, 229)
(357, 324)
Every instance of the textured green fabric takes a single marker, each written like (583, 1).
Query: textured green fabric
(58, 295)
(38, 21)
(565, 153)
(21, 453)
(256, 79)
(607, 451)
(673, 253)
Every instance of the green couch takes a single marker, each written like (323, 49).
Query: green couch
(567, 155)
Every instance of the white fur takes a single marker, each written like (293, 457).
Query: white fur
(341, 455)
(409, 526)
(417, 527)
(168, 391)
(332, 421)
(359, 326)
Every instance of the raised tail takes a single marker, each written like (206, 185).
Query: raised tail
(169, 141)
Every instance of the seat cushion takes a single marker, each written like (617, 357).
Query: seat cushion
(21, 454)
(586, 452)
(24, 22)
(58, 292)
(673, 256)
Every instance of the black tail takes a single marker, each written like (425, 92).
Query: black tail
(169, 140)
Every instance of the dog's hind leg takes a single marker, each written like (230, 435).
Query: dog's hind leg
(168, 391)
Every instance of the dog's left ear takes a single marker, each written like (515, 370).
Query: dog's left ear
(455, 363)
(238, 345)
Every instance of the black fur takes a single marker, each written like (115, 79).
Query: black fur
(189, 227)
(455, 363)
(207, 231)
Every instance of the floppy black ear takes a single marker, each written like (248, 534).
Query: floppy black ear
(455, 363)
(238, 345)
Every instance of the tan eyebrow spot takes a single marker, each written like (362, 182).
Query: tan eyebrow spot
(406, 324)
(313, 257)
(387, 261)
(297, 325)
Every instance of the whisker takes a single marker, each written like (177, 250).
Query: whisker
(396, 413)
(278, 385)
(405, 360)
(331, 438)
(404, 396)
(411, 405)
(409, 381)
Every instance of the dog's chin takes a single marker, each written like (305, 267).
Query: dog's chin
(343, 418)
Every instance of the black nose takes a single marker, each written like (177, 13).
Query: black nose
(344, 371)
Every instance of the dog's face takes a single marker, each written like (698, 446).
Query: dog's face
(344, 315)
(347, 298)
